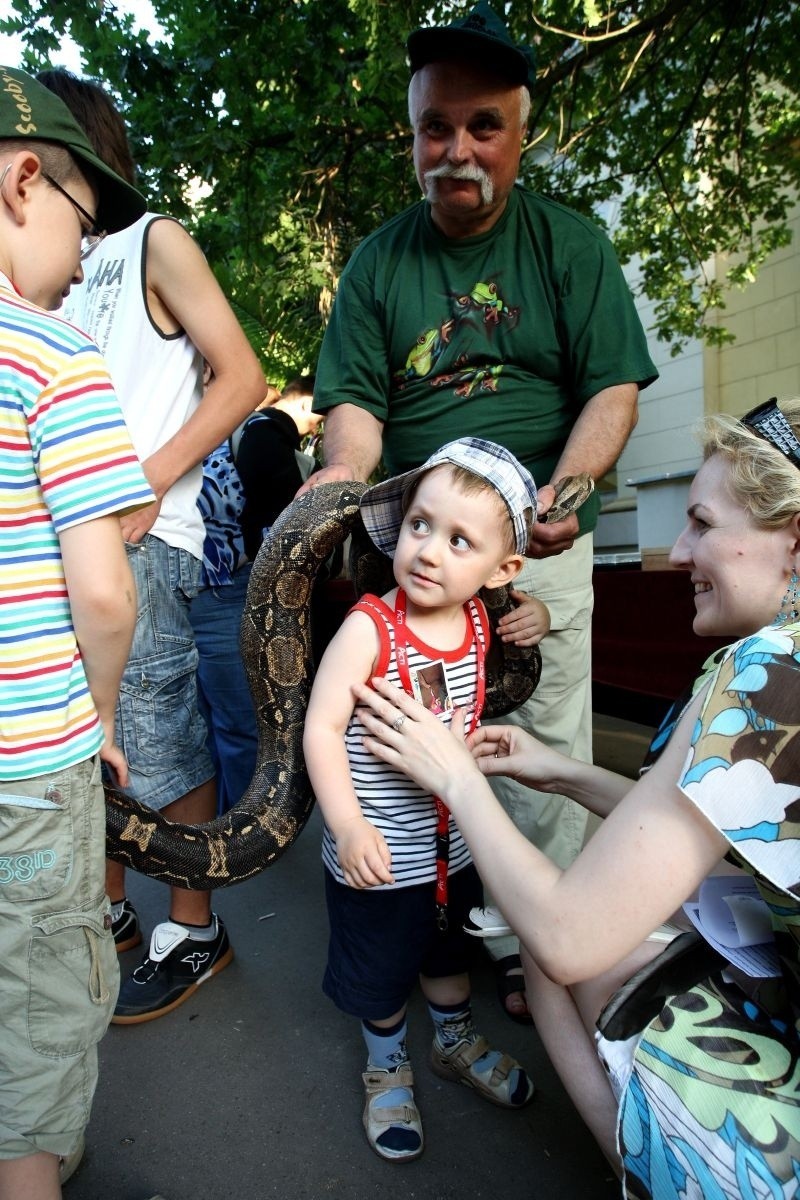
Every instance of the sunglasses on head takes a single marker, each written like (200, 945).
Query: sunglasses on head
(769, 423)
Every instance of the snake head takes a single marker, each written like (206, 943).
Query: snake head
(571, 492)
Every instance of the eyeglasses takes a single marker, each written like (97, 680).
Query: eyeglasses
(91, 237)
(768, 422)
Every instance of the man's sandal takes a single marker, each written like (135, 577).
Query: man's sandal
(69, 1163)
(508, 985)
(393, 1132)
(501, 1080)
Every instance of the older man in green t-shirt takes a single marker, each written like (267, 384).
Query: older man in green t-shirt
(487, 310)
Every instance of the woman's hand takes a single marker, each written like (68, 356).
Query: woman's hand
(508, 750)
(412, 740)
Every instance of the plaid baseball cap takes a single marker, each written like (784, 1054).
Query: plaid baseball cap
(382, 507)
(479, 37)
(30, 112)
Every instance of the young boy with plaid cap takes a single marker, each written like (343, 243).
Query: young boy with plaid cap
(399, 879)
(68, 471)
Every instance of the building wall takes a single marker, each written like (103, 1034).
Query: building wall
(656, 466)
(764, 360)
(660, 456)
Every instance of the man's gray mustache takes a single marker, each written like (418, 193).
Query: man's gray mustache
(466, 171)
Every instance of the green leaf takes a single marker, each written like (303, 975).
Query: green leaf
(675, 121)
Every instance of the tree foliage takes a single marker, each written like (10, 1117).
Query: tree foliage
(278, 133)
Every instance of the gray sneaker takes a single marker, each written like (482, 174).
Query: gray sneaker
(486, 922)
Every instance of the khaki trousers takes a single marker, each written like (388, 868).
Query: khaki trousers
(560, 710)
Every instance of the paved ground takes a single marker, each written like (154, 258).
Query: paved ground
(252, 1089)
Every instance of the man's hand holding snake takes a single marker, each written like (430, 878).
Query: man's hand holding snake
(556, 525)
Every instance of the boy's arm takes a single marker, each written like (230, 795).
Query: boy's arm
(102, 597)
(349, 659)
(185, 288)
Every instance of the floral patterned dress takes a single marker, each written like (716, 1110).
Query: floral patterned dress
(711, 1110)
(221, 501)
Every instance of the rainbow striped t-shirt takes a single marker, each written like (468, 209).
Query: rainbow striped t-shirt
(65, 458)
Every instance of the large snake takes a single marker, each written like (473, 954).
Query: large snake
(277, 651)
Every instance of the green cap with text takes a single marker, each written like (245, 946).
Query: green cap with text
(30, 112)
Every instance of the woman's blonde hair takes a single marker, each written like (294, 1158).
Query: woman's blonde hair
(763, 480)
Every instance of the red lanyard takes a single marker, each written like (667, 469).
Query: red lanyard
(442, 812)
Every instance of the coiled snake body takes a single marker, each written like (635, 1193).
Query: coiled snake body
(277, 652)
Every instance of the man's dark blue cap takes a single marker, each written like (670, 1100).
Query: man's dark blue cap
(481, 38)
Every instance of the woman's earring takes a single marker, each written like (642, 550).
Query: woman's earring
(788, 610)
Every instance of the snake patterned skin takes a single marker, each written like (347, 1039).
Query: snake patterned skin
(276, 642)
(571, 492)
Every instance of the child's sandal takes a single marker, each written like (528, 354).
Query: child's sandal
(393, 1132)
(460, 1062)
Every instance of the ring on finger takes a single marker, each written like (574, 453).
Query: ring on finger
(398, 721)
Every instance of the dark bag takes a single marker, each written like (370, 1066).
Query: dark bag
(306, 463)
(687, 961)
(266, 452)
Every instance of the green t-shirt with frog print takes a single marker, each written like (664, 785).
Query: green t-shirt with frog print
(505, 335)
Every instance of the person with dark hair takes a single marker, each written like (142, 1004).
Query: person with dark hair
(96, 115)
(156, 311)
(216, 615)
(247, 482)
(486, 310)
(301, 386)
(273, 453)
(68, 476)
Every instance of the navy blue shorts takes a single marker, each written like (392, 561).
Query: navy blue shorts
(381, 940)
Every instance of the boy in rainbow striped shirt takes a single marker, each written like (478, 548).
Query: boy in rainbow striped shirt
(67, 613)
